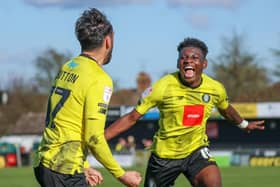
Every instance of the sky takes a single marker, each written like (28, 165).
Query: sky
(147, 32)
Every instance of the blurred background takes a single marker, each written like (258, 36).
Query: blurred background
(243, 37)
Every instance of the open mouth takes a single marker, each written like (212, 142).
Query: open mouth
(189, 71)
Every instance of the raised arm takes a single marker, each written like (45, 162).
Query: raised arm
(232, 115)
(122, 124)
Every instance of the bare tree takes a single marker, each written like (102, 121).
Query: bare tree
(47, 65)
(238, 70)
(276, 71)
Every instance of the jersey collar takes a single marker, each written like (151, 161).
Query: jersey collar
(88, 56)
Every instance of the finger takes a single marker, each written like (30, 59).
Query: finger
(259, 122)
(260, 127)
(93, 180)
(137, 181)
(91, 183)
(100, 181)
(98, 175)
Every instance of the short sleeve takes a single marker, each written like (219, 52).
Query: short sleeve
(97, 99)
(151, 97)
(223, 98)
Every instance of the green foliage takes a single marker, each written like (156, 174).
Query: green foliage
(238, 70)
(47, 65)
(231, 176)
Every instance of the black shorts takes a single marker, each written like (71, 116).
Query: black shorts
(49, 178)
(162, 172)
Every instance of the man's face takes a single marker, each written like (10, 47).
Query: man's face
(191, 63)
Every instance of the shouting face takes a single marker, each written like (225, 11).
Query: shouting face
(191, 63)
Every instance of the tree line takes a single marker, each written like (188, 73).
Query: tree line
(238, 68)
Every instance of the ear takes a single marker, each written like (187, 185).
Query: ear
(108, 42)
(178, 63)
(205, 64)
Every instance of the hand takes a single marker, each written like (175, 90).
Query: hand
(253, 125)
(131, 178)
(93, 176)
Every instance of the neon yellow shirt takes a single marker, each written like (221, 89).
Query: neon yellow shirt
(75, 119)
(183, 113)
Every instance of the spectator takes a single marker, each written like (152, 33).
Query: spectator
(120, 147)
(131, 146)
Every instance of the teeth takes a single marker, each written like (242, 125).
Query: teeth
(188, 68)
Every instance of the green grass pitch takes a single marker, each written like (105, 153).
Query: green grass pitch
(231, 176)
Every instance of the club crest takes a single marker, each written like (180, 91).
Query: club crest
(205, 98)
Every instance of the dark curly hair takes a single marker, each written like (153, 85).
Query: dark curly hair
(193, 42)
(91, 29)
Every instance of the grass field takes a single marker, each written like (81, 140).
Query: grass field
(232, 177)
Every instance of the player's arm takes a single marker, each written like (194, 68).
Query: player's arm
(232, 115)
(149, 98)
(96, 106)
(98, 146)
(95, 140)
(122, 124)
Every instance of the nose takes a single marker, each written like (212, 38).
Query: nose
(187, 60)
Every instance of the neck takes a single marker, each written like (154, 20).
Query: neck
(92, 56)
(191, 85)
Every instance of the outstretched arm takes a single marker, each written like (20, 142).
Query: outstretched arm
(122, 124)
(98, 146)
(94, 138)
(232, 115)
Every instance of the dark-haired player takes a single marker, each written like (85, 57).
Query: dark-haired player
(77, 111)
(185, 100)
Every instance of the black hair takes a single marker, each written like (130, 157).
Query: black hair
(193, 42)
(91, 29)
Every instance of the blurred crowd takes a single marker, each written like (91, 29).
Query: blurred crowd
(128, 145)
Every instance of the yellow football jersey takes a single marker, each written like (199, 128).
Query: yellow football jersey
(75, 120)
(183, 113)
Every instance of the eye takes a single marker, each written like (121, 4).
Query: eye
(191, 57)
(183, 58)
(194, 57)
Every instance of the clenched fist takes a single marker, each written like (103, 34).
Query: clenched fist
(93, 176)
(131, 178)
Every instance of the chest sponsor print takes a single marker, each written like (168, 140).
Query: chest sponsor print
(193, 115)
